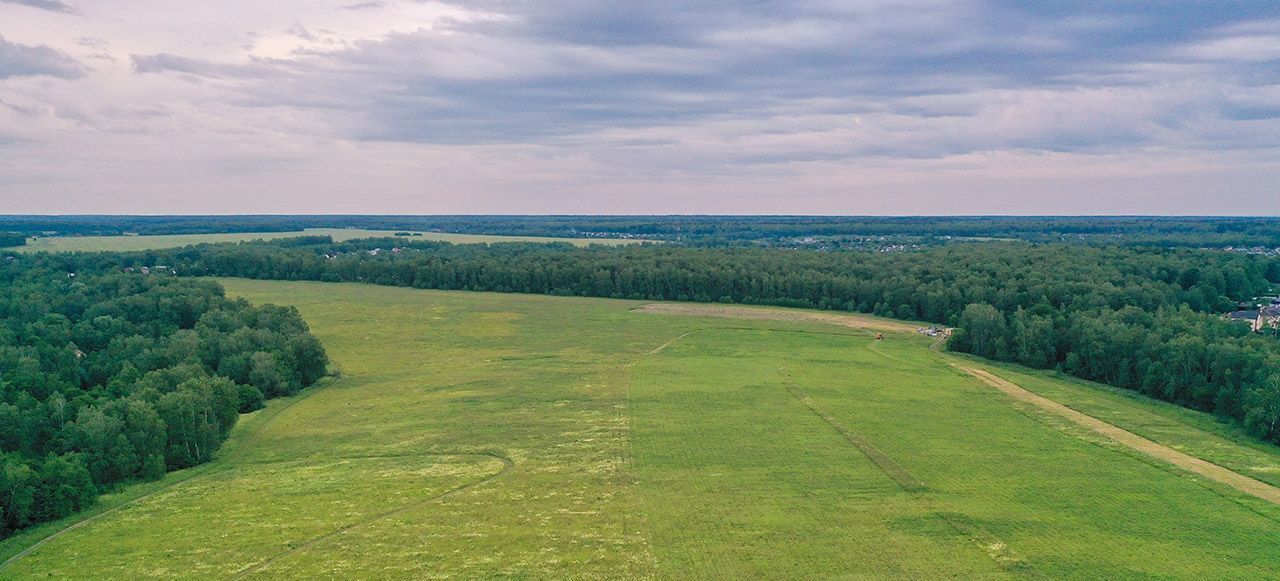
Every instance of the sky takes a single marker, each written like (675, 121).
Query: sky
(872, 107)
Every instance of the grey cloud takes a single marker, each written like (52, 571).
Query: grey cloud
(20, 60)
(165, 62)
(112, 111)
(92, 42)
(23, 110)
(967, 75)
(51, 5)
(1252, 113)
(300, 31)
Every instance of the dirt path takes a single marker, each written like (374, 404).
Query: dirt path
(1209, 470)
(1156, 450)
(660, 348)
(777, 314)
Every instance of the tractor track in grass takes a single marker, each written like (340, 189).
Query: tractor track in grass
(892, 469)
(195, 472)
(507, 465)
(206, 470)
(995, 548)
(1150, 448)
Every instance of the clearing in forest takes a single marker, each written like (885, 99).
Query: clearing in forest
(483, 434)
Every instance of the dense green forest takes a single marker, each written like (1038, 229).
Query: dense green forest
(108, 377)
(712, 230)
(1140, 318)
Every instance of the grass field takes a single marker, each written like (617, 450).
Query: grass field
(127, 243)
(490, 435)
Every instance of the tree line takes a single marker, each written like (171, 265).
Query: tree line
(712, 230)
(108, 377)
(1136, 317)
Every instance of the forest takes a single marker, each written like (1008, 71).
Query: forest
(1135, 317)
(109, 377)
(711, 230)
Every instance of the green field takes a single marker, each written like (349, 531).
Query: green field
(128, 243)
(490, 435)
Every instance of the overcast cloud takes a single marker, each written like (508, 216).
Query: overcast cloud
(587, 106)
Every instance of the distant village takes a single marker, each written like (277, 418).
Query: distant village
(932, 331)
(832, 243)
(1253, 250)
(158, 269)
(373, 252)
(1260, 316)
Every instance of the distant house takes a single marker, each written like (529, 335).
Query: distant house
(1268, 317)
(1244, 316)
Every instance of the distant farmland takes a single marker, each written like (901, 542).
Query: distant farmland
(489, 435)
(128, 243)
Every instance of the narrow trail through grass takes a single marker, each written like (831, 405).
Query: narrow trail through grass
(1187, 462)
(507, 465)
(1000, 553)
(891, 469)
(996, 548)
(1156, 450)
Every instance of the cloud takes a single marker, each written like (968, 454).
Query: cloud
(50, 5)
(20, 60)
(301, 31)
(770, 97)
(927, 78)
(165, 62)
(1257, 41)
